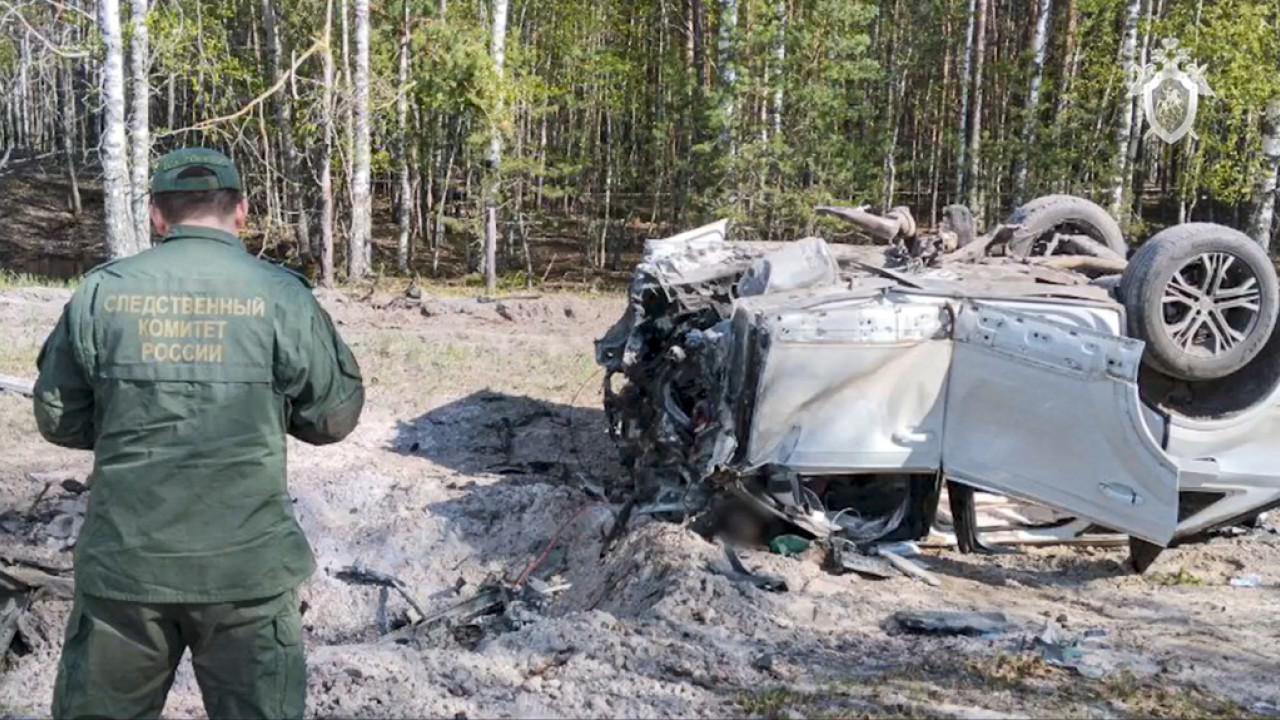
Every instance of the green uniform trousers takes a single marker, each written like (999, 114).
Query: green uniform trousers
(119, 658)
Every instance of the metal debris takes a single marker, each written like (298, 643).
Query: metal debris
(1247, 581)
(1088, 654)
(738, 572)
(357, 575)
(951, 623)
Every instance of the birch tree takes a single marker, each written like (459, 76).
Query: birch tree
(976, 200)
(140, 58)
(403, 210)
(966, 86)
(1264, 192)
(118, 215)
(726, 40)
(1031, 107)
(326, 153)
(497, 51)
(67, 116)
(780, 62)
(361, 181)
(294, 197)
(1124, 118)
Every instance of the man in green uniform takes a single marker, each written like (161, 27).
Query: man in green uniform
(183, 368)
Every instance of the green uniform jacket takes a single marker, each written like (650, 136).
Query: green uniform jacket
(183, 368)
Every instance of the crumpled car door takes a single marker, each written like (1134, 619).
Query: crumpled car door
(1050, 413)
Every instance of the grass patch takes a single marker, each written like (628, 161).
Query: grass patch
(430, 366)
(10, 280)
(1020, 684)
(470, 286)
(1181, 578)
(18, 359)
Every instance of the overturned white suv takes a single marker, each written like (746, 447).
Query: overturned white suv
(843, 388)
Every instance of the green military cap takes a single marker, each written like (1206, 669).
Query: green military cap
(166, 178)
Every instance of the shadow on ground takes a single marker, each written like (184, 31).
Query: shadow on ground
(512, 435)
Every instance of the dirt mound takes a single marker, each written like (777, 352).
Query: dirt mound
(512, 310)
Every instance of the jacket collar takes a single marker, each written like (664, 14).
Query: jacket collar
(180, 232)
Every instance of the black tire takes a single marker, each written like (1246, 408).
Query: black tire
(1063, 212)
(1183, 322)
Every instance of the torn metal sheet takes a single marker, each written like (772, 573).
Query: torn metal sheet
(952, 623)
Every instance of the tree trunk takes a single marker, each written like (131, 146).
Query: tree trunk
(293, 201)
(497, 50)
(966, 85)
(698, 22)
(118, 216)
(780, 61)
(141, 128)
(1124, 120)
(67, 100)
(171, 115)
(402, 155)
(361, 190)
(1135, 138)
(975, 137)
(1264, 192)
(727, 65)
(1030, 120)
(889, 171)
(326, 155)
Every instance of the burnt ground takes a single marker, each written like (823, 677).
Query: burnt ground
(481, 431)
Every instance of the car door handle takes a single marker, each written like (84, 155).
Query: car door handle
(1123, 493)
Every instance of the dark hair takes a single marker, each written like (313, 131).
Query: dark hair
(177, 207)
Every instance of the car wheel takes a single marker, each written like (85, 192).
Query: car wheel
(1042, 217)
(1203, 297)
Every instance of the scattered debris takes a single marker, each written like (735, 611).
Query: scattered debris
(910, 569)
(18, 386)
(844, 556)
(357, 575)
(788, 545)
(19, 576)
(738, 572)
(1088, 655)
(905, 549)
(1247, 581)
(942, 622)
(12, 607)
(31, 511)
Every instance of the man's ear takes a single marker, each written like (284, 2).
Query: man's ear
(242, 213)
(158, 223)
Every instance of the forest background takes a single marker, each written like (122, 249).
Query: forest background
(526, 140)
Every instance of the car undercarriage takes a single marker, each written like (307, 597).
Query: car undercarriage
(847, 390)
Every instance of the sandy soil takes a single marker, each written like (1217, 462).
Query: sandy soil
(482, 429)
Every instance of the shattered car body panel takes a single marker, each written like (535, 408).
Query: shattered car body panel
(841, 401)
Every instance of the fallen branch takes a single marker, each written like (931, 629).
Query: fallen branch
(1086, 265)
(35, 579)
(11, 611)
(26, 388)
(910, 569)
(320, 44)
(52, 47)
(363, 576)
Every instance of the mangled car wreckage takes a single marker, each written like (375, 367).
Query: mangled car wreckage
(843, 388)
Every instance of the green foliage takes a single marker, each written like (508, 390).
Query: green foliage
(606, 99)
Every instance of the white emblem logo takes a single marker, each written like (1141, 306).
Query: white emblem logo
(1170, 95)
